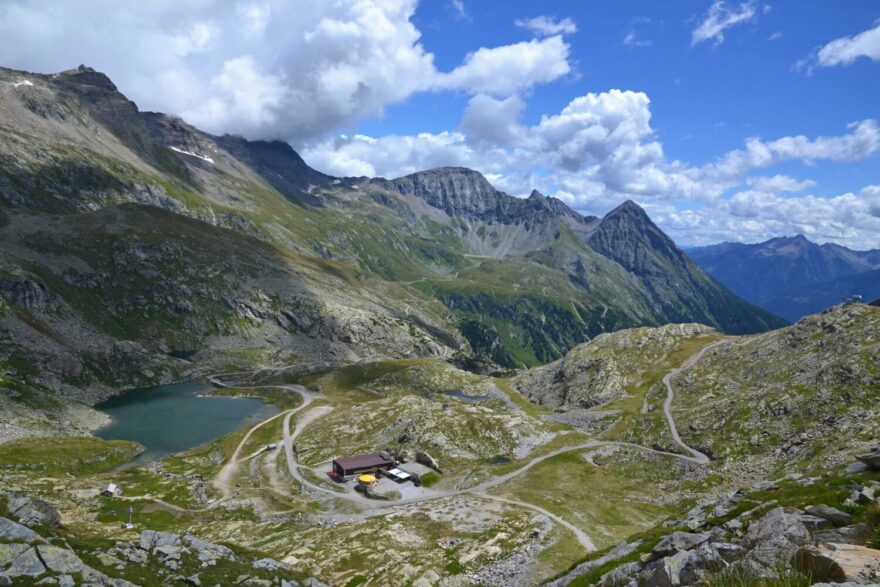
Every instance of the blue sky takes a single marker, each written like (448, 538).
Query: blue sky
(727, 120)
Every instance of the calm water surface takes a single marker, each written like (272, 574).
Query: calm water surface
(172, 418)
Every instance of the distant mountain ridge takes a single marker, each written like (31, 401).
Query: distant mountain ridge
(438, 262)
(792, 276)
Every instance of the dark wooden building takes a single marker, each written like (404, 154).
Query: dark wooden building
(347, 466)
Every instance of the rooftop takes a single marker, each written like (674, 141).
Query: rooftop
(369, 460)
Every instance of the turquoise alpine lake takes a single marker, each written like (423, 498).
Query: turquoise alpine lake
(172, 418)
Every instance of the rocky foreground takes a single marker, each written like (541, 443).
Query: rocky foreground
(31, 552)
(749, 537)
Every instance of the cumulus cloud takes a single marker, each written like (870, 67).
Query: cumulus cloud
(289, 69)
(510, 69)
(601, 148)
(845, 50)
(851, 219)
(862, 141)
(779, 183)
(721, 17)
(548, 25)
(494, 120)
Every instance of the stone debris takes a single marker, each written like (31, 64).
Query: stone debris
(25, 555)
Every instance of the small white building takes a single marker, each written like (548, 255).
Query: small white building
(112, 490)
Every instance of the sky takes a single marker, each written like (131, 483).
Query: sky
(726, 120)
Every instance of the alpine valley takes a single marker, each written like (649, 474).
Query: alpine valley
(574, 400)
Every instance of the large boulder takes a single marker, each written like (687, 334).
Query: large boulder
(839, 563)
(60, 560)
(855, 534)
(774, 539)
(669, 570)
(150, 539)
(14, 532)
(622, 576)
(675, 542)
(871, 460)
(27, 564)
(32, 511)
(833, 515)
(209, 552)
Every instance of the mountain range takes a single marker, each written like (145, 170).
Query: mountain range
(792, 276)
(396, 316)
(256, 250)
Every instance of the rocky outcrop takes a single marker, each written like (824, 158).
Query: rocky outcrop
(839, 563)
(31, 511)
(599, 371)
(871, 460)
(26, 557)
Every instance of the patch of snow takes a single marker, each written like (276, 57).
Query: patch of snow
(202, 157)
(336, 181)
(24, 82)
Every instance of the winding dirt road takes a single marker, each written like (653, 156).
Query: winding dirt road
(223, 480)
(697, 456)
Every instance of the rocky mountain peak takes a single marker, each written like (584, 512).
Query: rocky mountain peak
(536, 195)
(630, 237)
(87, 76)
(456, 190)
(629, 209)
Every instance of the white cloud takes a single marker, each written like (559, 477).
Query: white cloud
(721, 17)
(600, 149)
(495, 121)
(845, 50)
(510, 69)
(851, 219)
(862, 141)
(779, 183)
(635, 35)
(289, 69)
(548, 25)
(458, 8)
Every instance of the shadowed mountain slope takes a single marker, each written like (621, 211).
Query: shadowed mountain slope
(518, 281)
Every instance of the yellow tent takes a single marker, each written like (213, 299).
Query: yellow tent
(367, 479)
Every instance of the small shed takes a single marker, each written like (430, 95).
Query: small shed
(369, 463)
(112, 490)
(398, 475)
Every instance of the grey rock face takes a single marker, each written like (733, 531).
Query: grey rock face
(9, 552)
(668, 571)
(871, 460)
(32, 511)
(840, 563)
(27, 564)
(864, 496)
(60, 560)
(15, 532)
(150, 539)
(814, 522)
(269, 564)
(677, 541)
(775, 538)
(855, 534)
(622, 576)
(833, 515)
